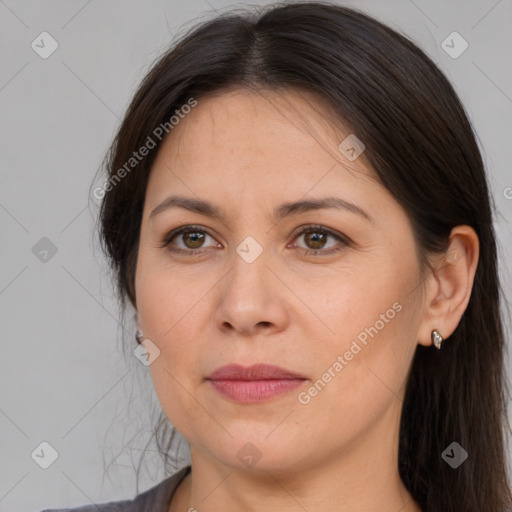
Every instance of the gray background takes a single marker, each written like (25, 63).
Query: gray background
(64, 378)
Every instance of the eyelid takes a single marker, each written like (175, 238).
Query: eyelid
(311, 227)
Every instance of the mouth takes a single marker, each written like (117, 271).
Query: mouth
(255, 383)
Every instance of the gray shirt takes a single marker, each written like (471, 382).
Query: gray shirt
(155, 499)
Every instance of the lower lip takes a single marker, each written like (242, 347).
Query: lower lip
(251, 391)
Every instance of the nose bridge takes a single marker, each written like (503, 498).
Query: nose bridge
(250, 275)
(250, 250)
(249, 294)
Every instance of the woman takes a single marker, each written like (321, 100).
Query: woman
(297, 211)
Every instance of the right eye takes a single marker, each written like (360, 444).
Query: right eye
(192, 236)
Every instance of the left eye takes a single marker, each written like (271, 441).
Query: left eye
(316, 237)
(193, 237)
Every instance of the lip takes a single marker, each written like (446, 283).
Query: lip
(254, 372)
(256, 383)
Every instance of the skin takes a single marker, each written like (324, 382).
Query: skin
(247, 154)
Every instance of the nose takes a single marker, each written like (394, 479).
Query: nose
(252, 299)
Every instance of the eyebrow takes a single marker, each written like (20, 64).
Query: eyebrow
(203, 207)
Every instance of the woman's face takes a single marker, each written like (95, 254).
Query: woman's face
(244, 290)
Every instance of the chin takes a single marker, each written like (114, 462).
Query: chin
(261, 453)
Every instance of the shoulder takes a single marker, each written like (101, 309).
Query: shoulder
(155, 499)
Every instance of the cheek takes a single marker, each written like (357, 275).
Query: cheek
(167, 297)
(173, 391)
(176, 372)
(160, 313)
(168, 317)
(352, 302)
(371, 338)
(355, 382)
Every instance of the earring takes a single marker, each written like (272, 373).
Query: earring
(437, 339)
(139, 337)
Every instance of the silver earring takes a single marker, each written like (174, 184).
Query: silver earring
(437, 339)
(139, 337)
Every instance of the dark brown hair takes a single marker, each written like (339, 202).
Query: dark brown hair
(421, 146)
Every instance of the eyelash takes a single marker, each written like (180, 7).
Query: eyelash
(309, 252)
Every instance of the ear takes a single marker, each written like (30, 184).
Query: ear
(136, 319)
(449, 286)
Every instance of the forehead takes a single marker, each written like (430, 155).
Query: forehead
(286, 137)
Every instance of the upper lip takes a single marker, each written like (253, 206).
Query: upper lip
(254, 372)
